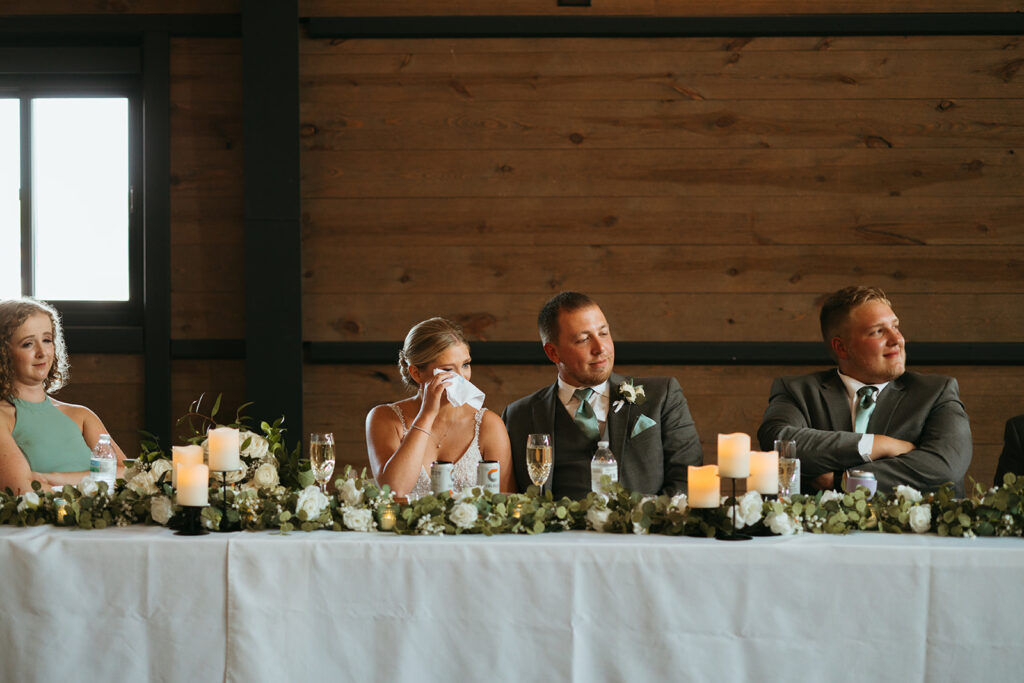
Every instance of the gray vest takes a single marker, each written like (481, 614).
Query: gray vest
(573, 453)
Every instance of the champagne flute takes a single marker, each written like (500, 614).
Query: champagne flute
(321, 457)
(539, 452)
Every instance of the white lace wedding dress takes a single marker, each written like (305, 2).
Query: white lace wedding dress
(464, 469)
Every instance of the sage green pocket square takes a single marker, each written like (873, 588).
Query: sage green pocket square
(642, 423)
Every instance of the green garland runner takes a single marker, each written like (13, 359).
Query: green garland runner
(274, 491)
(358, 505)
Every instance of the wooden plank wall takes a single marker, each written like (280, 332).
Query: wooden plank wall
(700, 189)
(207, 215)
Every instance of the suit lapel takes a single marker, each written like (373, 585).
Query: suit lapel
(618, 422)
(888, 403)
(833, 395)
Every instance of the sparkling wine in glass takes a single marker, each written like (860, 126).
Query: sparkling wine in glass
(539, 452)
(321, 457)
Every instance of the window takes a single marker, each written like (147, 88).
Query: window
(70, 170)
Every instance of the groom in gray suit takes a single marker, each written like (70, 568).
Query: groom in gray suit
(870, 413)
(653, 437)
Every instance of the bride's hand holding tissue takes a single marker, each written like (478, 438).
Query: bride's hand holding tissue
(444, 421)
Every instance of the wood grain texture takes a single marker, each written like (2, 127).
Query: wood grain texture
(664, 124)
(207, 215)
(661, 269)
(658, 173)
(559, 75)
(740, 317)
(745, 221)
(641, 7)
(721, 399)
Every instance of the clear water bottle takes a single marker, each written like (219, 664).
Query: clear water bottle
(602, 464)
(103, 463)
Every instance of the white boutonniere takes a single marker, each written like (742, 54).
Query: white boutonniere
(631, 393)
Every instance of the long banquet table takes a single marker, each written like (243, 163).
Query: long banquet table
(140, 603)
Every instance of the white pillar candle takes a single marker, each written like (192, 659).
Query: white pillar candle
(222, 443)
(193, 485)
(703, 486)
(764, 472)
(184, 455)
(734, 455)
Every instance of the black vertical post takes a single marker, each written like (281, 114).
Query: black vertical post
(273, 294)
(156, 294)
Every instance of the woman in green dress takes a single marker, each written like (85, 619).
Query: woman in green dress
(41, 439)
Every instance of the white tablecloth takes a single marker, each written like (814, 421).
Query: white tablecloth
(143, 604)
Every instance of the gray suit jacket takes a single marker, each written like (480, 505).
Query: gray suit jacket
(653, 461)
(814, 411)
(1012, 457)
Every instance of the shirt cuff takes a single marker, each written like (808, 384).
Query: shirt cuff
(864, 446)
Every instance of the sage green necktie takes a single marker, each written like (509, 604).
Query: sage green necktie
(865, 406)
(585, 417)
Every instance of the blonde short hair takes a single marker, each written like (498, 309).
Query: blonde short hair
(13, 313)
(424, 343)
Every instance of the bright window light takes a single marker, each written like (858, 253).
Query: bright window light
(80, 192)
(10, 206)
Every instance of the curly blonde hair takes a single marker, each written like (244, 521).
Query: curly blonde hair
(426, 341)
(13, 313)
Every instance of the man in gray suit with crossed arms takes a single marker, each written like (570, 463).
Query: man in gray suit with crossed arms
(870, 413)
(653, 439)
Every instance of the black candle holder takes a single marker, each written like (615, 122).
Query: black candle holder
(733, 535)
(191, 522)
(224, 492)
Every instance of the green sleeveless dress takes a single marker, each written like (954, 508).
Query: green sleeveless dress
(50, 440)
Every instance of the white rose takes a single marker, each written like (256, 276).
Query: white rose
(29, 499)
(88, 486)
(349, 493)
(143, 484)
(678, 502)
(597, 518)
(257, 448)
(265, 476)
(782, 524)
(233, 477)
(311, 501)
(464, 494)
(358, 519)
(751, 506)
(639, 530)
(921, 518)
(908, 493)
(463, 515)
(160, 509)
(131, 469)
(829, 494)
(160, 468)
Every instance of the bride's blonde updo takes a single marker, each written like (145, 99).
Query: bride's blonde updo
(425, 342)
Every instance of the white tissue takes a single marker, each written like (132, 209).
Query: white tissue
(460, 390)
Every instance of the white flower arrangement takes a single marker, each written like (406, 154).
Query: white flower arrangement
(311, 503)
(908, 493)
(464, 515)
(920, 518)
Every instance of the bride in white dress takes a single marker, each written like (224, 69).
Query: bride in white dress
(405, 437)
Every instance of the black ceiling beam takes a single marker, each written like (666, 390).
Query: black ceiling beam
(66, 28)
(931, 23)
